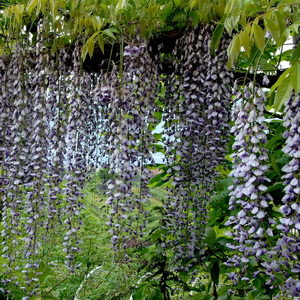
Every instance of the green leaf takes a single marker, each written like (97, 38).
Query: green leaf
(283, 92)
(275, 187)
(295, 77)
(110, 32)
(157, 136)
(158, 147)
(156, 295)
(157, 234)
(210, 236)
(147, 292)
(259, 37)
(44, 270)
(216, 37)
(295, 54)
(245, 40)
(84, 52)
(294, 27)
(272, 26)
(157, 115)
(90, 44)
(231, 22)
(193, 3)
(158, 180)
(281, 22)
(53, 8)
(282, 77)
(140, 293)
(258, 282)
(250, 296)
(120, 5)
(233, 51)
(101, 43)
(32, 5)
(274, 164)
(274, 142)
(234, 7)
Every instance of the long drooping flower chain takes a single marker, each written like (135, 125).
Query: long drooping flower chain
(196, 129)
(129, 116)
(288, 245)
(252, 223)
(14, 153)
(46, 113)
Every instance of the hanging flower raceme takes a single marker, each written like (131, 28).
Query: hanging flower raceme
(288, 246)
(129, 117)
(197, 130)
(249, 201)
(57, 112)
(45, 130)
(11, 164)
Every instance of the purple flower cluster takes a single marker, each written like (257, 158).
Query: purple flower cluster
(196, 128)
(129, 114)
(288, 245)
(249, 199)
(47, 116)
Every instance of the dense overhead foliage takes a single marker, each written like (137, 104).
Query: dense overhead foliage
(235, 217)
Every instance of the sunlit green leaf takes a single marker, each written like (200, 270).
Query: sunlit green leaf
(32, 5)
(295, 54)
(110, 32)
(272, 26)
(284, 91)
(120, 5)
(210, 236)
(233, 50)
(279, 81)
(231, 22)
(90, 44)
(84, 52)
(101, 43)
(281, 27)
(245, 40)
(234, 7)
(216, 37)
(259, 37)
(295, 77)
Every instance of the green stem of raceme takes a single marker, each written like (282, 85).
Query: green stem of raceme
(110, 55)
(247, 72)
(257, 63)
(279, 60)
(256, 67)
